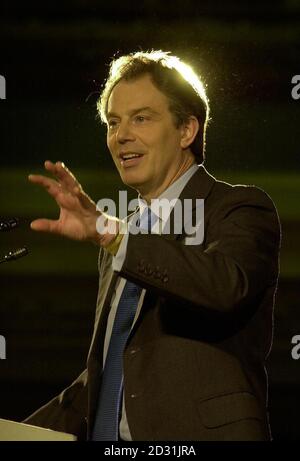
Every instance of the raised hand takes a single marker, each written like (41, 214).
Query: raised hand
(78, 213)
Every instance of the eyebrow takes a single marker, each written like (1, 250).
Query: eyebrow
(134, 111)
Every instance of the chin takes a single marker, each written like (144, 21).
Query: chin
(132, 179)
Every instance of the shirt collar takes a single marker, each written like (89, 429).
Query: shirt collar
(171, 193)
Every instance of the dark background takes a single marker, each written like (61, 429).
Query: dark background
(54, 57)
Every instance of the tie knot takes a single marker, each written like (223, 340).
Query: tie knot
(148, 219)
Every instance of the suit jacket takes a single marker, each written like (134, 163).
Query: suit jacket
(194, 363)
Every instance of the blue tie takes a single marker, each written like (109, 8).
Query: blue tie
(106, 427)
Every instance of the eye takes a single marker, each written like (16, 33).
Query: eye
(140, 118)
(111, 124)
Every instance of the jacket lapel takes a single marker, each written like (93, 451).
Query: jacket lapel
(197, 188)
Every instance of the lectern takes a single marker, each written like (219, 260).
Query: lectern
(12, 431)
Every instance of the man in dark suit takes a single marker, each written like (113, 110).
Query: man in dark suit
(192, 362)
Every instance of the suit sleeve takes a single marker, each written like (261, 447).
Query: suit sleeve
(67, 412)
(236, 263)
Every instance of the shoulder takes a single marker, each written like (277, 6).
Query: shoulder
(245, 205)
(224, 194)
(219, 193)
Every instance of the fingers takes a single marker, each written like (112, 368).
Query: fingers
(68, 198)
(52, 186)
(85, 201)
(65, 179)
(62, 173)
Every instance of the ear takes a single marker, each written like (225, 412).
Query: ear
(189, 131)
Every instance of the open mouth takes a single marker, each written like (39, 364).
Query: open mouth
(130, 159)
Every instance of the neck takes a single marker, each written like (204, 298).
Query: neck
(187, 162)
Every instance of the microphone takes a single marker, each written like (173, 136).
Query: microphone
(14, 254)
(8, 224)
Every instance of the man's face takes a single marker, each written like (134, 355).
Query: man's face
(140, 124)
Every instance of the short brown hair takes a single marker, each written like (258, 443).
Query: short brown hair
(171, 76)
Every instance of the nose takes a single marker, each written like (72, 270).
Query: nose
(124, 133)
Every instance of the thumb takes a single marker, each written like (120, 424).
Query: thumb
(43, 225)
